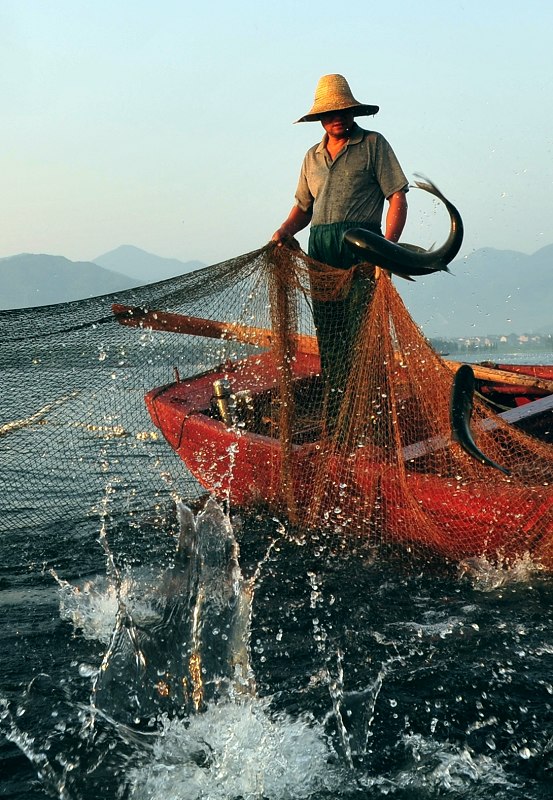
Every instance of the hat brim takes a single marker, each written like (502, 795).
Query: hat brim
(358, 111)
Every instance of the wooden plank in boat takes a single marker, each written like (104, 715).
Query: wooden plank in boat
(513, 415)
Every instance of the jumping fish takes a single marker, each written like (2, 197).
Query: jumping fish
(405, 260)
(461, 406)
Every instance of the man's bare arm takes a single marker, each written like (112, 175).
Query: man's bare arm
(396, 216)
(296, 221)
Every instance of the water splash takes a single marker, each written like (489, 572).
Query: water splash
(487, 576)
(187, 640)
(238, 749)
(91, 606)
(179, 643)
(434, 768)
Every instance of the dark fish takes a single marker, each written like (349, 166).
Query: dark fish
(408, 259)
(460, 413)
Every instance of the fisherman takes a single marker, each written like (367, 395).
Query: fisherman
(343, 183)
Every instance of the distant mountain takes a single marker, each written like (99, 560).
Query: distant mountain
(489, 292)
(29, 280)
(144, 267)
(37, 280)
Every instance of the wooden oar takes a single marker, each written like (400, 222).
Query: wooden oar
(503, 376)
(138, 317)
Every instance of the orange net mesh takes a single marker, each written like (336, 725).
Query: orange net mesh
(381, 461)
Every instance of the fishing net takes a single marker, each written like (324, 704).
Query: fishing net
(212, 383)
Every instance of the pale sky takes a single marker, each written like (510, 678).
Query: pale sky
(168, 125)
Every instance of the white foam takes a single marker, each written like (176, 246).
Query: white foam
(487, 576)
(447, 768)
(91, 606)
(237, 749)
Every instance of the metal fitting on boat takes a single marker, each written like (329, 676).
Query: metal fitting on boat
(225, 401)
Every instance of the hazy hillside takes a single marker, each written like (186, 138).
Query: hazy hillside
(145, 267)
(38, 280)
(489, 292)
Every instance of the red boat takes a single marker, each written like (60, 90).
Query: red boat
(231, 461)
(246, 438)
(243, 462)
(508, 395)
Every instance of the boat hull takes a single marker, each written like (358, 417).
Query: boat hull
(247, 469)
(230, 462)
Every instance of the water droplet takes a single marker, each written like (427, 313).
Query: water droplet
(87, 670)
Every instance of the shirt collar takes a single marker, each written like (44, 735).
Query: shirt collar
(356, 136)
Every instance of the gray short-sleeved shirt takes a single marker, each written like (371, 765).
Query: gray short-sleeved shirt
(354, 186)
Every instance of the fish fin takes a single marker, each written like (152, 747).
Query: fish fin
(413, 248)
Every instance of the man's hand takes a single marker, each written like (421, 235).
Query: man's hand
(281, 237)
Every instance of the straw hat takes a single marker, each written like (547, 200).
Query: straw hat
(333, 94)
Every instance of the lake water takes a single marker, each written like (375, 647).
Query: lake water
(374, 676)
